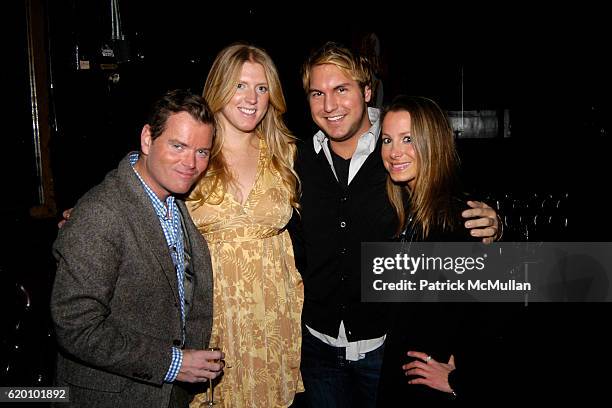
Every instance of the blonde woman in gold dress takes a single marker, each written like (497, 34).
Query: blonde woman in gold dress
(242, 206)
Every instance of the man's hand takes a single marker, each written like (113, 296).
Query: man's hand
(485, 223)
(65, 216)
(200, 366)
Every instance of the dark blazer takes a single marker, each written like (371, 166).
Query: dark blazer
(115, 302)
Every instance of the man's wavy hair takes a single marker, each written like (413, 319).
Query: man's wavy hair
(353, 66)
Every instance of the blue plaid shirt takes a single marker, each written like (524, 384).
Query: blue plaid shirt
(169, 218)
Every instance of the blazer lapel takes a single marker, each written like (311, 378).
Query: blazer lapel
(143, 216)
(159, 247)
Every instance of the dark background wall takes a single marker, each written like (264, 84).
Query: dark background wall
(549, 68)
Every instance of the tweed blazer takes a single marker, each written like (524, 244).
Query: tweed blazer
(115, 302)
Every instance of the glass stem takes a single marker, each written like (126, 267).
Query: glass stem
(212, 391)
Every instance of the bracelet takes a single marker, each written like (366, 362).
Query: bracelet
(500, 229)
(454, 395)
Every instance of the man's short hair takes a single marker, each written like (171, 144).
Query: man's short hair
(176, 101)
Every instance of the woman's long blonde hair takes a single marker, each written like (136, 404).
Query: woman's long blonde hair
(219, 89)
(430, 202)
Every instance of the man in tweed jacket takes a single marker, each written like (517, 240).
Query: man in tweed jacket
(132, 297)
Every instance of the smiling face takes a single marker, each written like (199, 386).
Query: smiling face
(249, 103)
(337, 103)
(398, 153)
(172, 162)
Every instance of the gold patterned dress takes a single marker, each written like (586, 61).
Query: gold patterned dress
(258, 293)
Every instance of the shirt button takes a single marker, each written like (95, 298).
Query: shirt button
(342, 224)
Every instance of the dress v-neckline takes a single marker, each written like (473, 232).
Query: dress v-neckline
(257, 176)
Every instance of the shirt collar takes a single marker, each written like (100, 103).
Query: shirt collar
(162, 208)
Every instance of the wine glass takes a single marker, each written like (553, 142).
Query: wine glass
(214, 344)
